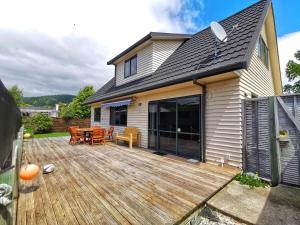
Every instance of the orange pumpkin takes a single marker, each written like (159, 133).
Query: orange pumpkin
(29, 171)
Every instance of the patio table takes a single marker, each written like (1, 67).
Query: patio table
(86, 131)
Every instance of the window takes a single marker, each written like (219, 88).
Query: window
(97, 114)
(263, 51)
(130, 67)
(118, 116)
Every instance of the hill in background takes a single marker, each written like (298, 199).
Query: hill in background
(48, 101)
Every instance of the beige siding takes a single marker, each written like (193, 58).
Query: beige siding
(148, 60)
(144, 66)
(223, 122)
(258, 78)
(162, 50)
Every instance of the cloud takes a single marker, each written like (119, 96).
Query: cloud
(287, 46)
(52, 47)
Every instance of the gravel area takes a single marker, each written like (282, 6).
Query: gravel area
(211, 217)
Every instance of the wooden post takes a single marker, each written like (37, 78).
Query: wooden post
(130, 140)
(274, 145)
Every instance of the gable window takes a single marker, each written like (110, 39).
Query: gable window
(130, 66)
(118, 116)
(263, 51)
(97, 114)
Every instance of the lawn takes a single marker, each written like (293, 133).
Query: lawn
(53, 134)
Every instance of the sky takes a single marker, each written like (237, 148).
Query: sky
(58, 46)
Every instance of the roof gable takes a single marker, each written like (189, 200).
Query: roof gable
(195, 57)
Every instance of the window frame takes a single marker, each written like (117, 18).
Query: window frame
(130, 66)
(113, 110)
(263, 51)
(99, 114)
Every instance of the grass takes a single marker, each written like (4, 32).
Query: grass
(251, 181)
(53, 134)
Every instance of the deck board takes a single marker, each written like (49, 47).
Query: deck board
(111, 184)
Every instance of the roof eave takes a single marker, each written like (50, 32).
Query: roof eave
(217, 71)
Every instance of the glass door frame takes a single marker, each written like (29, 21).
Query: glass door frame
(157, 130)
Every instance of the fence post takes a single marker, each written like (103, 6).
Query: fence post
(274, 145)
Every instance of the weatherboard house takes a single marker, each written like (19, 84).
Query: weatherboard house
(184, 92)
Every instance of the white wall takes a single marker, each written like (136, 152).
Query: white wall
(148, 60)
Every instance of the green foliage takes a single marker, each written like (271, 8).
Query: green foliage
(39, 123)
(252, 181)
(76, 109)
(293, 74)
(49, 100)
(53, 134)
(17, 94)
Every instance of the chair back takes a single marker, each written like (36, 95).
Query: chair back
(98, 132)
(131, 130)
(73, 130)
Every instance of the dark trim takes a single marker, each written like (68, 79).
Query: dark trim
(157, 144)
(255, 36)
(129, 60)
(147, 37)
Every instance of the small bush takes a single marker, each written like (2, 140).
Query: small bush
(41, 123)
(252, 180)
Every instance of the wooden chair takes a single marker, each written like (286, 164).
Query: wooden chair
(109, 134)
(130, 135)
(98, 136)
(75, 135)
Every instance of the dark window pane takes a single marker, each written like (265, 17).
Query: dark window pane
(152, 118)
(263, 52)
(118, 116)
(167, 141)
(189, 114)
(152, 139)
(97, 114)
(167, 112)
(127, 68)
(133, 68)
(189, 145)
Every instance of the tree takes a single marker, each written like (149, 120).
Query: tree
(76, 108)
(293, 74)
(17, 94)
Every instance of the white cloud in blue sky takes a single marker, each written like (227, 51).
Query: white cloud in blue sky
(52, 47)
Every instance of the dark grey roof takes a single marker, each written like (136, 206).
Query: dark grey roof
(183, 64)
(147, 37)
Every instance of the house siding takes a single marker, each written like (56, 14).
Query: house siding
(148, 60)
(224, 122)
(258, 78)
(162, 50)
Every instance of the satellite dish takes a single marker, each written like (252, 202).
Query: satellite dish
(218, 31)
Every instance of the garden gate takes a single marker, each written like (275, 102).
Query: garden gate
(271, 138)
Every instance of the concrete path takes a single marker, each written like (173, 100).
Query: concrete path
(278, 205)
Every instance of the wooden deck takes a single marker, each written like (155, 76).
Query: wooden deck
(112, 184)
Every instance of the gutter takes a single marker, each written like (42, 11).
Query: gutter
(202, 119)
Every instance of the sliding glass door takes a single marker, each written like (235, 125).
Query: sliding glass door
(174, 126)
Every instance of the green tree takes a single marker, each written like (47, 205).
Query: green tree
(293, 74)
(17, 94)
(41, 123)
(76, 108)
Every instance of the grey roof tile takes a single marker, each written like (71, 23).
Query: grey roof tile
(183, 64)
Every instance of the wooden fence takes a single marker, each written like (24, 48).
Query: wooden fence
(11, 142)
(61, 124)
(271, 138)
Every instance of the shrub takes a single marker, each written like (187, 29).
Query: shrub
(41, 123)
(252, 180)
